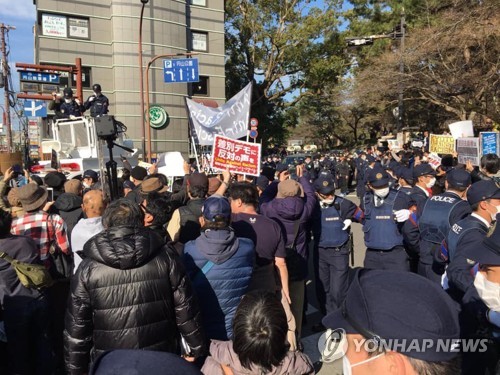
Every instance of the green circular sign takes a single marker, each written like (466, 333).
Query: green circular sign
(158, 117)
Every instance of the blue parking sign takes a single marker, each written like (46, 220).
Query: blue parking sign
(180, 70)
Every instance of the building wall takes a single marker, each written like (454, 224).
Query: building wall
(111, 51)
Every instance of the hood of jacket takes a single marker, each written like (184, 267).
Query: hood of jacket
(68, 202)
(217, 245)
(124, 247)
(289, 208)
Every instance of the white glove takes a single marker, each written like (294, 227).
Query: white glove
(91, 99)
(71, 117)
(494, 317)
(347, 224)
(402, 215)
(77, 101)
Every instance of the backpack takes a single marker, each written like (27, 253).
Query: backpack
(34, 276)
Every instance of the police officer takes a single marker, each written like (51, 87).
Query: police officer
(385, 211)
(466, 234)
(480, 316)
(439, 214)
(71, 107)
(425, 178)
(405, 180)
(391, 323)
(361, 165)
(331, 229)
(98, 103)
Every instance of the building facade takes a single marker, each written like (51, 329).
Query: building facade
(105, 35)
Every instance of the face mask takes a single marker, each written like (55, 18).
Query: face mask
(67, 100)
(488, 291)
(347, 367)
(425, 159)
(494, 214)
(431, 182)
(85, 185)
(381, 193)
(97, 93)
(327, 201)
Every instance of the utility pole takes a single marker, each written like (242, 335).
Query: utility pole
(401, 71)
(4, 29)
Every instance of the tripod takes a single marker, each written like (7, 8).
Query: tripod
(111, 168)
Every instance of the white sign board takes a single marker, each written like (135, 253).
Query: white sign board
(468, 149)
(461, 129)
(78, 28)
(434, 160)
(53, 25)
(171, 164)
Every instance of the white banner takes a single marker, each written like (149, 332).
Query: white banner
(461, 129)
(230, 120)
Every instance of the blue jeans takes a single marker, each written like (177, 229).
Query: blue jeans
(28, 334)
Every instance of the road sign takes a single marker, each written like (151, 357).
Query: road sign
(40, 77)
(254, 134)
(35, 108)
(254, 122)
(180, 70)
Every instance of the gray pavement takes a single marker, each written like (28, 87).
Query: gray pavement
(310, 338)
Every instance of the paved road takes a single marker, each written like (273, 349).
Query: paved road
(309, 338)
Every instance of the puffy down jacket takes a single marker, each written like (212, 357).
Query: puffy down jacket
(130, 292)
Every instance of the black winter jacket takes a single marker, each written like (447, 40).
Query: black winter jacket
(130, 292)
(69, 207)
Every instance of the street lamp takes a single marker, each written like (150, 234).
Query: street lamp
(141, 79)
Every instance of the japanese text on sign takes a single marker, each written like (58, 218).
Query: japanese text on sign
(468, 150)
(240, 157)
(441, 144)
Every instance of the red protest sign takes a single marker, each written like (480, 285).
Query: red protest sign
(241, 157)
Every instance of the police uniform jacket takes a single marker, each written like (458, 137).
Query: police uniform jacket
(98, 106)
(328, 222)
(440, 213)
(465, 235)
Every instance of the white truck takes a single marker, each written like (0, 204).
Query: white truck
(78, 148)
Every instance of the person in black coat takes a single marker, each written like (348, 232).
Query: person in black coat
(129, 292)
(25, 311)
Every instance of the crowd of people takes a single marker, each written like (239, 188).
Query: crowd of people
(209, 274)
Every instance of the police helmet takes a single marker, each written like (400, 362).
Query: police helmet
(68, 93)
(96, 87)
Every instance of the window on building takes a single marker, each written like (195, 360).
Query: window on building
(202, 3)
(200, 88)
(199, 41)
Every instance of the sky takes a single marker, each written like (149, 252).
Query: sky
(21, 14)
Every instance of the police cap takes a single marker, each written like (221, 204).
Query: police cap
(325, 184)
(412, 310)
(458, 177)
(377, 177)
(406, 174)
(67, 92)
(423, 169)
(483, 190)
